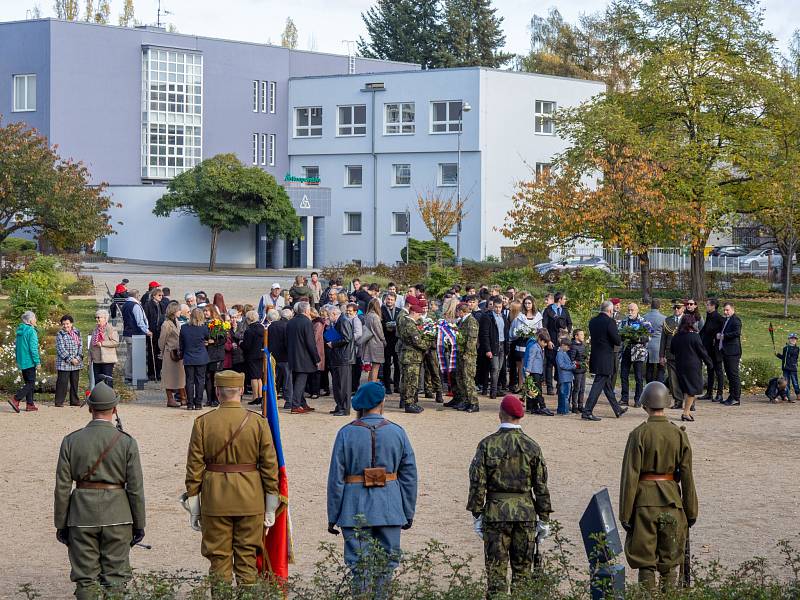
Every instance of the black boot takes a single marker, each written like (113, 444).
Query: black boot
(453, 403)
(439, 398)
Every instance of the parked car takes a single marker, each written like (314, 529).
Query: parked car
(727, 251)
(760, 260)
(573, 263)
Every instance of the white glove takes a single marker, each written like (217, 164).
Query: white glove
(542, 530)
(192, 506)
(272, 503)
(478, 526)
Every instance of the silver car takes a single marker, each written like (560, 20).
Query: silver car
(760, 260)
(572, 263)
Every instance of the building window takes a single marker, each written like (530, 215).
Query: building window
(255, 148)
(311, 172)
(446, 117)
(352, 222)
(543, 118)
(400, 224)
(308, 121)
(352, 120)
(172, 112)
(271, 149)
(352, 176)
(24, 93)
(255, 96)
(542, 171)
(401, 175)
(399, 119)
(448, 174)
(272, 92)
(263, 148)
(263, 96)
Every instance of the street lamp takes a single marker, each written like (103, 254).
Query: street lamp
(465, 107)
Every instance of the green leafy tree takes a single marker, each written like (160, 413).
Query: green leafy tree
(126, 17)
(404, 30)
(289, 35)
(68, 10)
(473, 35)
(225, 195)
(42, 192)
(427, 251)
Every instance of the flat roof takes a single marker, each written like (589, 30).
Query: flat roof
(161, 31)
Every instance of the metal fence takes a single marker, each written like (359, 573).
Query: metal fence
(661, 259)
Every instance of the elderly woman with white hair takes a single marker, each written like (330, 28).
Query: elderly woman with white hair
(103, 348)
(27, 354)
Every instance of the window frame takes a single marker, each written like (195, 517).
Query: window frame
(255, 95)
(271, 149)
(306, 175)
(393, 180)
(406, 215)
(24, 77)
(544, 116)
(263, 103)
(273, 91)
(352, 125)
(255, 148)
(399, 124)
(543, 169)
(347, 183)
(308, 127)
(346, 225)
(440, 178)
(449, 120)
(263, 149)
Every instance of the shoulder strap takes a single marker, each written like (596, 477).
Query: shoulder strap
(372, 430)
(102, 457)
(230, 439)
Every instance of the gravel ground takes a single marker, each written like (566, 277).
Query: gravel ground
(745, 463)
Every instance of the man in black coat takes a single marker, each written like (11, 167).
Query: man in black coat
(604, 336)
(554, 319)
(303, 354)
(278, 348)
(708, 334)
(391, 365)
(491, 340)
(342, 359)
(729, 343)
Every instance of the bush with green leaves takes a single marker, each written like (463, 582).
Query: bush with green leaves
(756, 372)
(428, 251)
(38, 288)
(521, 278)
(585, 290)
(15, 244)
(439, 280)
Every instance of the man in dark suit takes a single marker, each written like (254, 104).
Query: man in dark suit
(491, 340)
(729, 343)
(554, 319)
(302, 353)
(342, 359)
(712, 326)
(391, 365)
(276, 342)
(604, 337)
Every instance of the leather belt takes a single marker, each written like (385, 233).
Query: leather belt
(232, 468)
(98, 485)
(360, 478)
(657, 477)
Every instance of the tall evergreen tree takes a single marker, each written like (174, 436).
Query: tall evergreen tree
(404, 30)
(473, 35)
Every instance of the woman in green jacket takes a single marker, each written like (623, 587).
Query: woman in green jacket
(27, 351)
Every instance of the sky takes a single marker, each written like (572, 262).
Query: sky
(324, 24)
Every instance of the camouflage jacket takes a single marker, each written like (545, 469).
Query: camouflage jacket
(508, 478)
(414, 346)
(468, 336)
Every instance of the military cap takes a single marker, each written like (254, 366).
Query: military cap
(102, 397)
(416, 308)
(368, 396)
(655, 395)
(229, 379)
(512, 406)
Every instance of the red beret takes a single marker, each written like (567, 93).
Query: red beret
(615, 300)
(416, 308)
(512, 406)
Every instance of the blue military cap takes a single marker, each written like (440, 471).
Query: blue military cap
(369, 395)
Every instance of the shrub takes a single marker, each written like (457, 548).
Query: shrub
(14, 244)
(38, 288)
(523, 278)
(585, 290)
(756, 372)
(82, 286)
(428, 251)
(439, 280)
(749, 285)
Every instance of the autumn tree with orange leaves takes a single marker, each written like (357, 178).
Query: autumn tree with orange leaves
(605, 187)
(440, 213)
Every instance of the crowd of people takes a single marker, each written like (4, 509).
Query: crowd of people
(471, 342)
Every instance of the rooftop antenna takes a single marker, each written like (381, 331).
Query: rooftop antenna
(351, 58)
(158, 14)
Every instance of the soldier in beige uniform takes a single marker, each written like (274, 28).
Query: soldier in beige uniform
(102, 517)
(231, 482)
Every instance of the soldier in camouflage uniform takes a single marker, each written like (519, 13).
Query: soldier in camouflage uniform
(466, 362)
(657, 498)
(507, 467)
(414, 348)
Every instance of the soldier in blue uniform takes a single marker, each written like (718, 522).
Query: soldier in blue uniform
(372, 482)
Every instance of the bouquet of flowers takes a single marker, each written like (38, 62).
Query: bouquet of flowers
(530, 389)
(218, 328)
(429, 330)
(636, 332)
(524, 333)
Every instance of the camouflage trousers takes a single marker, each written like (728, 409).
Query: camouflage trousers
(505, 541)
(410, 382)
(466, 365)
(433, 376)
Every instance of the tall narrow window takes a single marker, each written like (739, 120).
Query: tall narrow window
(272, 92)
(255, 148)
(24, 93)
(271, 149)
(255, 96)
(263, 96)
(263, 148)
(308, 121)
(543, 117)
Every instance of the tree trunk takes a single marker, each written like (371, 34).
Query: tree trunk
(212, 261)
(787, 274)
(644, 270)
(698, 274)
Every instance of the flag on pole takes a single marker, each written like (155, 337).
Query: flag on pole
(277, 543)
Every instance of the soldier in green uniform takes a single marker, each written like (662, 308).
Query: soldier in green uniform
(102, 517)
(657, 499)
(466, 362)
(507, 493)
(414, 348)
(665, 352)
(231, 482)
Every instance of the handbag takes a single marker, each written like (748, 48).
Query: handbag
(175, 354)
